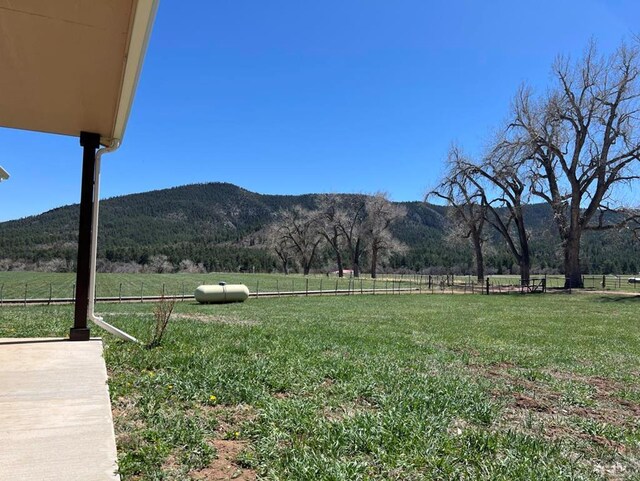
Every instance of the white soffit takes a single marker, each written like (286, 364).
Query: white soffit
(68, 66)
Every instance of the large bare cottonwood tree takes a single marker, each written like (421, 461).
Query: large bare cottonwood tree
(583, 141)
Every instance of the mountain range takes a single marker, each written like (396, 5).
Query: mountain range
(221, 226)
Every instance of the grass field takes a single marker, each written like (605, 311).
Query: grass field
(400, 387)
(43, 285)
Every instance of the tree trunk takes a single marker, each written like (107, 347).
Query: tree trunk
(335, 245)
(477, 247)
(524, 263)
(572, 272)
(355, 259)
(525, 272)
(356, 269)
(374, 261)
(340, 264)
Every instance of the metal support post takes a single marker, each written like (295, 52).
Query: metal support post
(90, 143)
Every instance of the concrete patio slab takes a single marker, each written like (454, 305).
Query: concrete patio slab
(55, 413)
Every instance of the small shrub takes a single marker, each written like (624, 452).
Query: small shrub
(161, 314)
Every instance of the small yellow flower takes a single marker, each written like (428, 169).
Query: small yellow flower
(170, 386)
(212, 398)
(236, 434)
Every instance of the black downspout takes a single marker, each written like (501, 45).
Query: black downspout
(90, 143)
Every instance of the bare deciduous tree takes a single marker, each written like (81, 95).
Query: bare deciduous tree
(583, 141)
(329, 227)
(499, 185)
(381, 214)
(297, 229)
(468, 203)
(280, 244)
(351, 223)
(505, 170)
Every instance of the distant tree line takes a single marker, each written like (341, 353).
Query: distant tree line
(350, 230)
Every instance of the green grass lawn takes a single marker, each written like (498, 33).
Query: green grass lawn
(41, 285)
(402, 387)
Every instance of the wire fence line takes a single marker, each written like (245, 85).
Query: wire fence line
(130, 288)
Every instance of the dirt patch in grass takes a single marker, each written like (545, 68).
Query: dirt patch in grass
(591, 433)
(522, 401)
(228, 446)
(603, 386)
(230, 418)
(215, 318)
(539, 396)
(124, 412)
(199, 317)
(226, 465)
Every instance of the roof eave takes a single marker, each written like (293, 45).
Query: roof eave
(142, 24)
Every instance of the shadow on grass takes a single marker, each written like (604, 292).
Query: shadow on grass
(623, 299)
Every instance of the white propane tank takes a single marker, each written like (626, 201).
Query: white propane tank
(207, 294)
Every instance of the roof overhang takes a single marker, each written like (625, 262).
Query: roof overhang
(72, 65)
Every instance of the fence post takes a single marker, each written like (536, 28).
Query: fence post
(162, 289)
(361, 291)
(26, 288)
(278, 287)
(141, 290)
(306, 286)
(183, 290)
(374, 286)
(73, 292)
(604, 281)
(257, 288)
(120, 293)
(50, 292)
(487, 286)
(321, 286)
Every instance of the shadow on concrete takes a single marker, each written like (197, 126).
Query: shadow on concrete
(6, 341)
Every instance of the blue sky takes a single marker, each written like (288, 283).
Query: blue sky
(289, 97)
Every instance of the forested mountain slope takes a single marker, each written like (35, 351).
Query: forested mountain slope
(221, 226)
